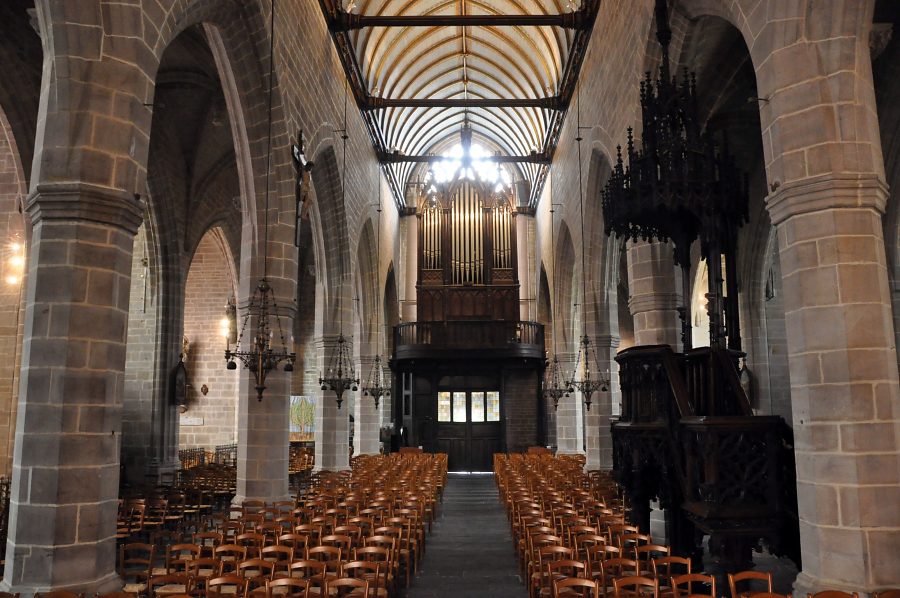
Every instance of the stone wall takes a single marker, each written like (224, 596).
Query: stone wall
(12, 273)
(140, 363)
(209, 419)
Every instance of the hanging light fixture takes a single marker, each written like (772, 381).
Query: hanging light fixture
(376, 386)
(679, 186)
(261, 357)
(591, 379)
(341, 375)
(554, 388)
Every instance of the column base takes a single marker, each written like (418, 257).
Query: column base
(104, 585)
(806, 583)
(238, 500)
(317, 468)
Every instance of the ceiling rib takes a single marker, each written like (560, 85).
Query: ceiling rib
(548, 103)
(344, 21)
(526, 68)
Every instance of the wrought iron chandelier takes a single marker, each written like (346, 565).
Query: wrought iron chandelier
(261, 357)
(680, 186)
(554, 388)
(341, 375)
(377, 386)
(589, 382)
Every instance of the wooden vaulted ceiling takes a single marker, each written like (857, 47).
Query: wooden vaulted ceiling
(419, 69)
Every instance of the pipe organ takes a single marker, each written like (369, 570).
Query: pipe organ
(467, 220)
(467, 254)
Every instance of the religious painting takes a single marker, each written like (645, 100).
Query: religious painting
(303, 418)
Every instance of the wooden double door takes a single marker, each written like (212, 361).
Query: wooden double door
(469, 428)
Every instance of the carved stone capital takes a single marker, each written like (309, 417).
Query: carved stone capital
(83, 201)
(827, 192)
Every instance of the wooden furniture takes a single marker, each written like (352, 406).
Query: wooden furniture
(748, 577)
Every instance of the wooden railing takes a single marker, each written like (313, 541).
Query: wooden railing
(469, 335)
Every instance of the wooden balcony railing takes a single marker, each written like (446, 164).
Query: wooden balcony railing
(413, 339)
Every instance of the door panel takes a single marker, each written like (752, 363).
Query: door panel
(469, 430)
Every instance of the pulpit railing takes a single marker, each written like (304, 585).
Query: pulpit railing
(687, 437)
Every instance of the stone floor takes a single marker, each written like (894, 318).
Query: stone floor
(470, 551)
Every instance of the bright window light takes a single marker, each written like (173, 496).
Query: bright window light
(483, 168)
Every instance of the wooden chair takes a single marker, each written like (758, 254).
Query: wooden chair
(202, 570)
(887, 593)
(683, 585)
(667, 567)
(281, 557)
(135, 565)
(97, 595)
(645, 553)
(179, 556)
(748, 576)
(370, 572)
(546, 554)
(297, 542)
(562, 569)
(207, 541)
(230, 555)
(382, 557)
(635, 586)
(307, 569)
(292, 588)
(171, 583)
(612, 569)
(227, 586)
(347, 587)
(572, 587)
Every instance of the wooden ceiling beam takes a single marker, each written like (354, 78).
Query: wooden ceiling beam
(397, 158)
(548, 103)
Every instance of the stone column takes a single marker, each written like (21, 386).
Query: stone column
(366, 416)
(263, 436)
(332, 423)
(568, 414)
(65, 482)
(844, 382)
(652, 281)
(599, 436)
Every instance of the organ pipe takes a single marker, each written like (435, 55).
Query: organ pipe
(467, 230)
(431, 220)
(502, 236)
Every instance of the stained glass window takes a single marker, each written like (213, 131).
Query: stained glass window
(493, 406)
(444, 407)
(477, 406)
(459, 407)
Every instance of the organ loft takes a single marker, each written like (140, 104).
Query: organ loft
(406, 298)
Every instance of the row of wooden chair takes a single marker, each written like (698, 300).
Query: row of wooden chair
(376, 514)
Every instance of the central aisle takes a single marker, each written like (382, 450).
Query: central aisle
(470, 551)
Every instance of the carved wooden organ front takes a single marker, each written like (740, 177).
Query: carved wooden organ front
(467, 253)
